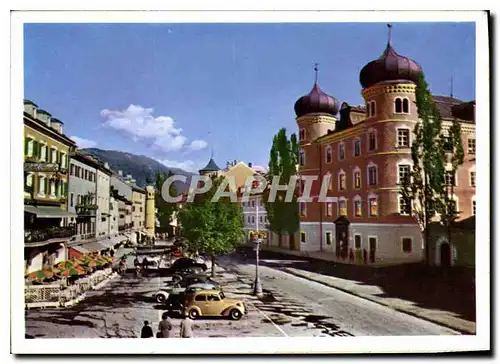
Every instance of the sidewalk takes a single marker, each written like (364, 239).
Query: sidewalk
(446, 298)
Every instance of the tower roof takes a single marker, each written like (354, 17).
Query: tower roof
(210, 167)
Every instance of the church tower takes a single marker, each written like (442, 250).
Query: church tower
(150, 211)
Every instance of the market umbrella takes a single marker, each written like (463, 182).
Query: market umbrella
(39, 275)
(67, 264)
(72, 272)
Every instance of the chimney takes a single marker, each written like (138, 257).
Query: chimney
(250, 164)
(120, 172)
(57, 125)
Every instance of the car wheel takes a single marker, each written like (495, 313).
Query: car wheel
(160, 298)
(193, 314)
(235, 314)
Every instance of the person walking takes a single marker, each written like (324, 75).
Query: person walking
(186, 327)
(165, 326)
(146, 331)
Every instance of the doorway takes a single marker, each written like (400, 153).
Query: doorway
(445, 254)
(341, 237)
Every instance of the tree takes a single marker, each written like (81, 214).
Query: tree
(211, 227)
(454, 154)
(422, 187)
(283, 216)
(164, 210)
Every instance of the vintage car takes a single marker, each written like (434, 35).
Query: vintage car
(213, 303)
(185, 263)
(162, 295)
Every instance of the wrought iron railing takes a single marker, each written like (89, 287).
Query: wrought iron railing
(37, 235)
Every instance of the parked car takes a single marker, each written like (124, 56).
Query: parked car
(192, 279)
(184, 263)
(210, 303)
(162, 294)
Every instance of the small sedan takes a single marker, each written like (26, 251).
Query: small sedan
(213, 303)
(162, 295)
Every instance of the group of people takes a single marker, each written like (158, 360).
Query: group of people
(165, 327)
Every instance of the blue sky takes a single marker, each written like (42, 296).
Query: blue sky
(175, 91)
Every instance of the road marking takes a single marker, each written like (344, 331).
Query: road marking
(269, 319)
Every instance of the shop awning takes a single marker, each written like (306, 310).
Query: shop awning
(48, 212)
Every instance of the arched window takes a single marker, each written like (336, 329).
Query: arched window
(357, 205)
(302, 158)
(373, 108)
(368, 113)
(406, 106)
(342, 180)
(398, 107)
(328, 154)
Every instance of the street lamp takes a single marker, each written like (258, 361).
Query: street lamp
(257, 239)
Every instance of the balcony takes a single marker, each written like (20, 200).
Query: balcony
(86, 210)
(40, 235)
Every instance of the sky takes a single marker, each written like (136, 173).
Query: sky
(177, 92)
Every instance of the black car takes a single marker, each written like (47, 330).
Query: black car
(191, 279)
(184, 263)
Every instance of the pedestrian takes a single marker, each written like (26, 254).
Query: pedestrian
(186, 326)
(146, 331)
(165, 326)
(136, 262)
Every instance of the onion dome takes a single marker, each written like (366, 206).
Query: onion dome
(316, 101)
(389, 67)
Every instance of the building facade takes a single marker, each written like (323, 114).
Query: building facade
(48, 226)
(365, 151)
(138, 213)
(103, 201)
(254, 216)
(150, 211)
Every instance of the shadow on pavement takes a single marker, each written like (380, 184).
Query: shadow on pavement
(444, 288)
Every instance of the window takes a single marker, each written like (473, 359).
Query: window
(342, 208)
(253, 219)
(341, 151)
(471, 146)
(373, 108)
(373, 206)
(302, 158)
(330, 181)
(303, 209)
(302, 134)
(449, 178)
(404, 206)
(302, 237)
(42, 181)
(398, 106)
(357, 179)
(53, 155)
(357, 241)
(328, 154)
(29, 147)
(406, 243)
(372, 243)
(404, 172)
(357, 147)
(43, 153)
(372, 141)
(403, 138)
(473, 178)
(200, 297)
(342, 181)
(368, 109)
(260, 219)
(473, 207)
(86, 175)
(357, 208)
(406, 106)
(329, 209)
(52, 188)
(328, 239)
(72, 169)
(63, 160)
(253, 203)
(372, 175)
(447, 144)
(214, 297)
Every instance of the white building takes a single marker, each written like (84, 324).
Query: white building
(103, 201)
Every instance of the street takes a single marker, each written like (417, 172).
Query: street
(291, 306)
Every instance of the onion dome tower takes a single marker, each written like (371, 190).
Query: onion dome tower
(210, 168)
(389, 84)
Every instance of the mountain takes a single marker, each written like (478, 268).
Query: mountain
(139, 166)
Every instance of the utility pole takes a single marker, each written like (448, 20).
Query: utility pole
(257, 291)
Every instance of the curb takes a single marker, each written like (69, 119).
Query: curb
(370, 298)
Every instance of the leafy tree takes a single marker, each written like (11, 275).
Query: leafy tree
(210, 227)
(165, 210)
(423, 185)
(283, 216)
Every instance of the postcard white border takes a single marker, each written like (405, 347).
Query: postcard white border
(253, 345)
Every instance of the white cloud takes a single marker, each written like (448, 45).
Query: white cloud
(198, 145)
(83, 143)
(139, 123)
(188, 165)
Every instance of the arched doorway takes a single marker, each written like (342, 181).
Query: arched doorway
(445, 254)
(341, 237)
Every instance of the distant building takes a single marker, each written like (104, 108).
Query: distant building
(47, 225)
(103, 200)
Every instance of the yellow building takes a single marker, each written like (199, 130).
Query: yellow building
(150, 211)
(47, 224)
(138, 213)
